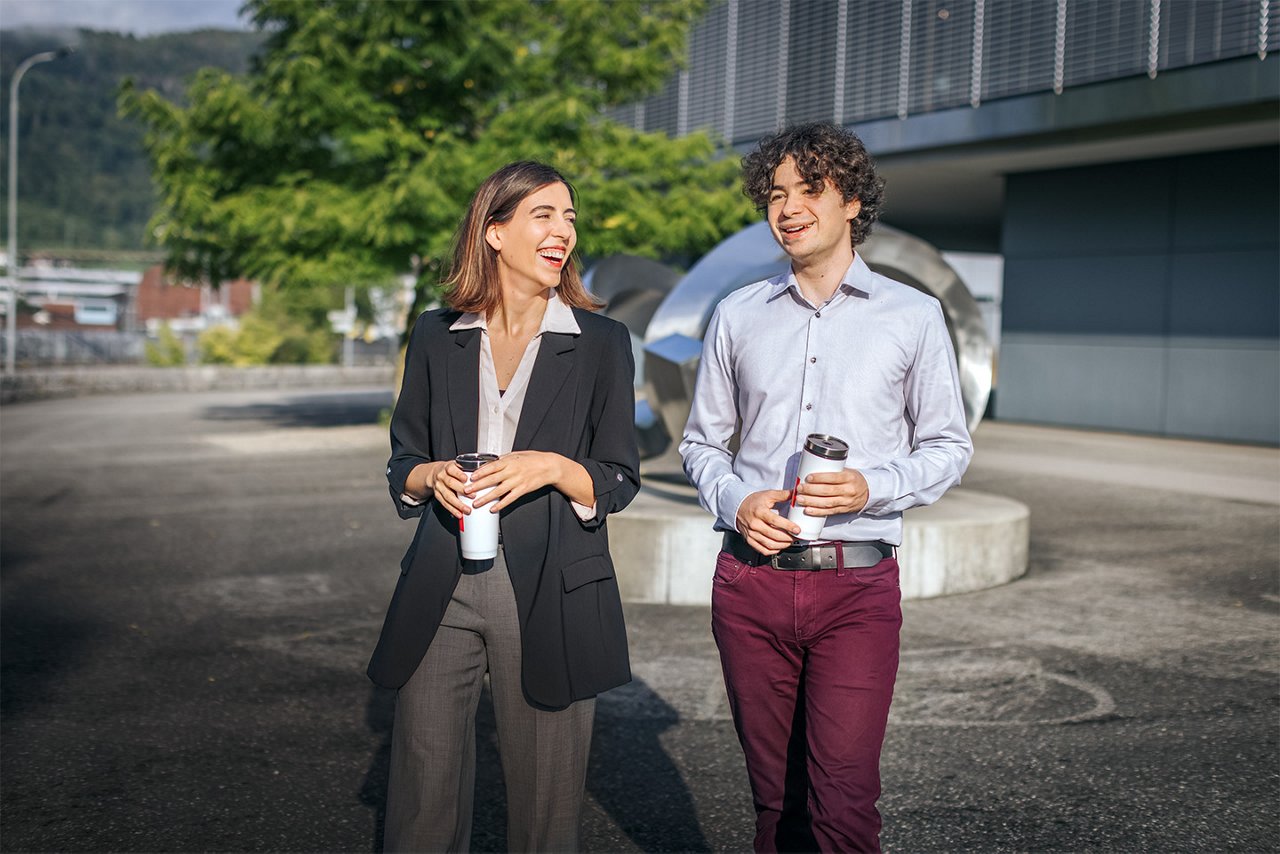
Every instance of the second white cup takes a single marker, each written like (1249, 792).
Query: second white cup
(822, 453)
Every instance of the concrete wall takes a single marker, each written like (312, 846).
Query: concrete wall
(1145, 296)
(36, 384)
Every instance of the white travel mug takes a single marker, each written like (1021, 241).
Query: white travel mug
(477, 530)
(822, 453)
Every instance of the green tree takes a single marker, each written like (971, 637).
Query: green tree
(349, 153)
(84, 186)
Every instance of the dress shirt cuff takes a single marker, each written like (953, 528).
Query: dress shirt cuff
(879, 491)
(410, 501)
(732, 494)
(585, 513)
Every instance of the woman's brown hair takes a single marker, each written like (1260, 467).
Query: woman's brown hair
(472, 283)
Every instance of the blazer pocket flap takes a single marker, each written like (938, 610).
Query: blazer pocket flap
(580, 572)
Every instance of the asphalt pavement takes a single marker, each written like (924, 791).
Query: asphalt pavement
(190, 586)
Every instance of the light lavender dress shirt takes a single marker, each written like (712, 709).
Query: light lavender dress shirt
(499, 410)
(873, 366)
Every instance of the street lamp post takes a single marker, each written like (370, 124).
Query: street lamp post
(11, 320)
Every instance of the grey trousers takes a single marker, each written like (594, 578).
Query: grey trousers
(433, 744)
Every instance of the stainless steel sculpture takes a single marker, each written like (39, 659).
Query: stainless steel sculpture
(633, 288)
(673, 336)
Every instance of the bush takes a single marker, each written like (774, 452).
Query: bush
(218, 346)
(167, 351)
(266, 337)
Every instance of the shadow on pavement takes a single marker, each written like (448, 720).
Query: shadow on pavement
(312, 410)
(630, 775)
(378, 714)
(633, 778)
(41, 639)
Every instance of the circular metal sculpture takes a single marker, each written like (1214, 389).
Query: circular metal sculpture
(673, 337)
(632, 289)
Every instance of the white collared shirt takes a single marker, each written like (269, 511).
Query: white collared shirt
(499, 409)
(873, 366)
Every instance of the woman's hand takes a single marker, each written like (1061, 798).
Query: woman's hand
(443, 480)
(517, 474)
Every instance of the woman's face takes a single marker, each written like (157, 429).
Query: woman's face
(534, 246)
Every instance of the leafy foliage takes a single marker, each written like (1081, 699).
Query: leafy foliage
(84, 180)
(354, 145)
(273, 333)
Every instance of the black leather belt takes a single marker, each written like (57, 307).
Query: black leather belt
(834, 555)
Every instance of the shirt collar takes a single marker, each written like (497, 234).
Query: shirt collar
(557, 318)
(858, 278)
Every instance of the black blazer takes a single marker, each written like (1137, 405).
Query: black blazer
(580, 403)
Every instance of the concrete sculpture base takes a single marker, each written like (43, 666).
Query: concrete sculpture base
(665, 551)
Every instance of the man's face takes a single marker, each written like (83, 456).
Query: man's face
(811, 223)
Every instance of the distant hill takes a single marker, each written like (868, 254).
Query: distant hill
(84, 182)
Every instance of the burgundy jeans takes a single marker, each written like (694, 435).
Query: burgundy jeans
(809, 661)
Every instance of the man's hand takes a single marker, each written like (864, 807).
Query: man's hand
(764, 529)
(831, 493)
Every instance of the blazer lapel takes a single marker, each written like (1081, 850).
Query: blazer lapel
(550, 370)
(464, 389)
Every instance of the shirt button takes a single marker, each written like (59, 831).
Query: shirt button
(813, 359)
(817, 314)
(808, 406)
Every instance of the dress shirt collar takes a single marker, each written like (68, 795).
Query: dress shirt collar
(857, 279)
(557, 318)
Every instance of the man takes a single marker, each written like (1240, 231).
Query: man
(808, 632)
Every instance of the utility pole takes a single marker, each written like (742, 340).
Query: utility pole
(11, 320)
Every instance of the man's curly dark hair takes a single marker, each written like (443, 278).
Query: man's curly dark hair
(820, 150)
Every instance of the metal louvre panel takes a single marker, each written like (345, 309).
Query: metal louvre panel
(661, 111)
(708, 52)
(811, 61)
(1195, 31)
(1017, 47)
(785, 63)
(1273, 29)
(758, 72)
(1106, 39)
(941, 54)
(875, 45)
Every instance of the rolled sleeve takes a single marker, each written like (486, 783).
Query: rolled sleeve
(406, 505)
(613, 461)
(410, 436)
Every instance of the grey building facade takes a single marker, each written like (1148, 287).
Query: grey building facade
(1123, 156)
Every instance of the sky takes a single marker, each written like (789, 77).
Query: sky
(140, 17)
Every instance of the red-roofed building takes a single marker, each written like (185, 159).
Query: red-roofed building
(188, 308)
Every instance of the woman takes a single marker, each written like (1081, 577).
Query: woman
(518, 366)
